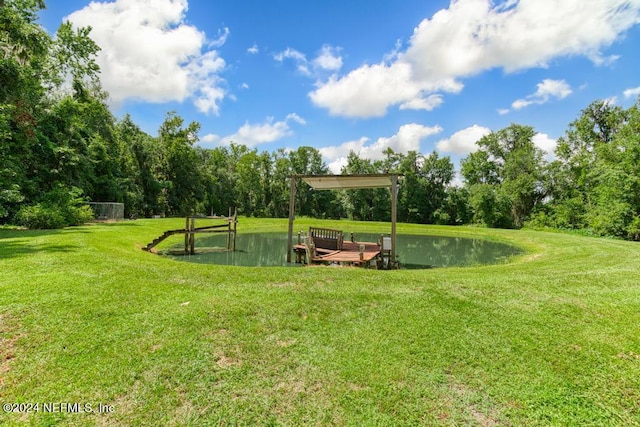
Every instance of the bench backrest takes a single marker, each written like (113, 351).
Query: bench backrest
(326, 238)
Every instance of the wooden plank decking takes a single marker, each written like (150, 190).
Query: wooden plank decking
(349, 254)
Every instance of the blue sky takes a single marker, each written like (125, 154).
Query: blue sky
(361, 75)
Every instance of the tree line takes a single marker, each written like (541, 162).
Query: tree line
(61, 146)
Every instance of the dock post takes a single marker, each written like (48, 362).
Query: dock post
(192, 236)
(394, 197)
(235, 226)
(186, 236)
(292, 199)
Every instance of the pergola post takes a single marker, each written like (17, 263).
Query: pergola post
(292, 200)
(394, 198)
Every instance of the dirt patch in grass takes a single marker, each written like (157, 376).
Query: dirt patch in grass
(470, 402)
(629, 356)
(228, 362)
(8, 339)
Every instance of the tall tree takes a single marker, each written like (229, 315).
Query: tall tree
(179, 172)
(308, 161)
(505, 177)
(583, 170)
(23, 55)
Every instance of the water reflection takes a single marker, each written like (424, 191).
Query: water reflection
(414, 251)
(430, 251)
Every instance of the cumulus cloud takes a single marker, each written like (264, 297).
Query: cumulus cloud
(545, 143)
(463, 141)
(149, 53)
(253, 49)
(632, 92)
(407, 139)
(548, 89)
(252, 135)
(369, 90)
(472, 36)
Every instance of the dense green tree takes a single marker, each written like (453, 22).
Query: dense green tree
(279, 187)
(23, 55)
(139, 161)
(308, 161)
(505, 177)
(455, 208)
(253, 176)
(47, 128)
(593, 177)
(178, 172)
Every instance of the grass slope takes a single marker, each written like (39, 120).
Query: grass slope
(552, 337)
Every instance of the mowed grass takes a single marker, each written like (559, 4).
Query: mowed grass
(86, 316)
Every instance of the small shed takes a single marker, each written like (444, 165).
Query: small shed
(347, 182)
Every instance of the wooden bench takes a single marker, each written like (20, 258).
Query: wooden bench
(326, 238)
(325, 245)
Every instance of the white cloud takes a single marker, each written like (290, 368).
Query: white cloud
(336, 155)
(632, 92)
(222, 38)
(548, 89)
(296, 118)
(149, 53)
(328, 59)
(210, 138)
(546, 144)
(204, 84)
(336, 166)
(298, 57)
(407, 139)
(290, 54)
(253, 49)
(369, 90)
(463, 141)
(428, 103)
(473, 36)
(252, 135)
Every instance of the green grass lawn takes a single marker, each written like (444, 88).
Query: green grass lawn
(86, 316)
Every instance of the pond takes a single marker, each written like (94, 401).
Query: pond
(414, 251)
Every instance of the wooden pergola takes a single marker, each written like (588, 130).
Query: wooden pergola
(346, 182)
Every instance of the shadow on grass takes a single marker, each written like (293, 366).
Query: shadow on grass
(122, 223)
(18, 243)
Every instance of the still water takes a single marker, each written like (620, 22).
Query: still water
(414, 251)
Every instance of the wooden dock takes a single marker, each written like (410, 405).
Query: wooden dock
(349, 254)
(229, 227)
